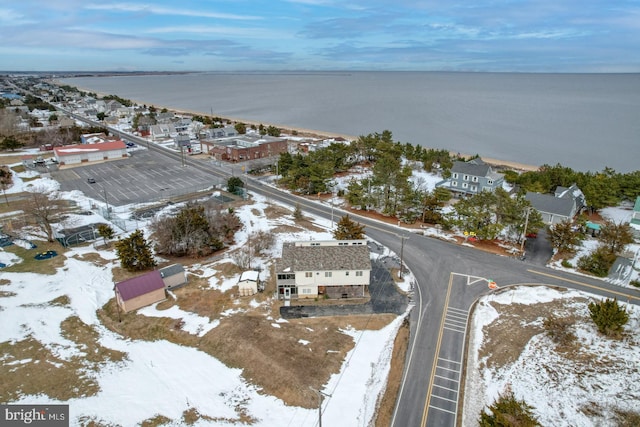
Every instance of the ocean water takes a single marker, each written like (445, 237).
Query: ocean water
(584, 121)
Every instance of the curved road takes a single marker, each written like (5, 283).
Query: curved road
(450, 278)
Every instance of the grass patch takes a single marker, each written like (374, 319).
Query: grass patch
(30, 368)
(158, 420)
(93, 258)
(271, 358)
(31, 265)
(61, 301)
(86, 337)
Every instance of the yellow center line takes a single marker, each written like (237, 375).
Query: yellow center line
(427, 402)
(622, 294)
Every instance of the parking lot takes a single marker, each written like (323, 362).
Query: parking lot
(146, 176)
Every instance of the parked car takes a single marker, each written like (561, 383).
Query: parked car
(91, 180)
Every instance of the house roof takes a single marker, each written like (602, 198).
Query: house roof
(140, 285)
(170, 270)
(89, 148)
(475, 167)
(324, 258)
(550, 204)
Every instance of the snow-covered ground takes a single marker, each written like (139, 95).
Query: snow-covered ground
(162, 377)
(563, 392)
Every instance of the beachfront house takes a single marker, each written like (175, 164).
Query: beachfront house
(563, 205)
(472, 177)
(327, 269)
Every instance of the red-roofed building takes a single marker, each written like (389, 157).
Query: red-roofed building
(77, 154)
(140, 291)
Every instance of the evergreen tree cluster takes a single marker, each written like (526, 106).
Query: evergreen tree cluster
(609, 317)
(134, 252)
(507, 411)
(347, 229)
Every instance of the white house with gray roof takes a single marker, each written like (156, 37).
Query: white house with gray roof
(472, 177)
(331, 268)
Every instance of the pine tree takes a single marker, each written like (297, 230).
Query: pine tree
(609, 317)
(106, 232)
(347, 229)
(507, 411)
(134, 252)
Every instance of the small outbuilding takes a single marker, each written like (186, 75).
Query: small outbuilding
(140, 291)
(173, 276)
(249, 283)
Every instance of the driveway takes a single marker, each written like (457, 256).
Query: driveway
(538, 250)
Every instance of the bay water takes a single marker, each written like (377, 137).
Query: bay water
(584, 121)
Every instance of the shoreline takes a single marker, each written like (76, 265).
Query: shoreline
(305, 132)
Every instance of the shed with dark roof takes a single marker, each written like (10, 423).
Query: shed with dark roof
(173, 276)
(140, 291)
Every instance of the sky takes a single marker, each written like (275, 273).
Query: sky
(247, 35)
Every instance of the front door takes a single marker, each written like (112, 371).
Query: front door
(287, 293)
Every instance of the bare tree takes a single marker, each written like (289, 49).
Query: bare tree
(8, 122)
(45, 208)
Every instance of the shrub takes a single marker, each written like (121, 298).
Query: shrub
(598, 262)
(635, 283)
(508, 411)
(608, 316)
(566, 264)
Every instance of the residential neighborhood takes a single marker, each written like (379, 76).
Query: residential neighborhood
(227, 263)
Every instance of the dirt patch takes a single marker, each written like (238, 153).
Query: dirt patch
(283, 359)
(501, 345)
(388, 400)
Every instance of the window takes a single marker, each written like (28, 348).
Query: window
(454, 183)
(490, 181)
(466, 177)
(343, 244)
(465, 185)
(306, 290)
(308, 274)
(474, 179)
(327, 274)
(286, 276)
(474, 188)
(315, 244)
(455, 175)
(358, 273)
(346, 273)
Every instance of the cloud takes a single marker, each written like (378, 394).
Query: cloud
(159, 10)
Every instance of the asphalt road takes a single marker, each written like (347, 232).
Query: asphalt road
(450, 278)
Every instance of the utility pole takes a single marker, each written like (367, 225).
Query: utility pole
(106, 202)
(524, 233)
(321, 396)
(402, 254)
